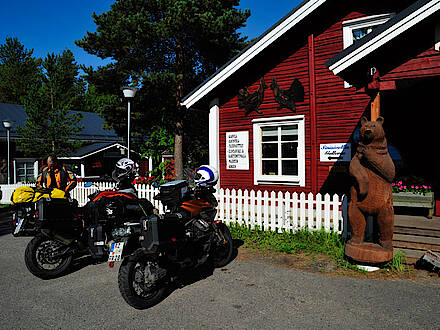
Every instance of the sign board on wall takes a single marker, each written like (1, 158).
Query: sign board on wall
(333, 152)
(237, 153)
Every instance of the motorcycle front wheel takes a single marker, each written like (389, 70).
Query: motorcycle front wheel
(222, 250)
(133, 287)
(42, 258)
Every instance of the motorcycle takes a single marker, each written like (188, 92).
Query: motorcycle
(187, 236)
(64, 232)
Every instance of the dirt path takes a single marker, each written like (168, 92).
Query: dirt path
(322, 264)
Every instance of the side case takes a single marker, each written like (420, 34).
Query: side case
(163, 232)
(96, 240)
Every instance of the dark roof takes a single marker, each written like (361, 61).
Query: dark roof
(92, 124)
(378, 30)
(250, 45)
(92, 148)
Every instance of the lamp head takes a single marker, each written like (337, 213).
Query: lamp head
(129, 92)
(8, 123)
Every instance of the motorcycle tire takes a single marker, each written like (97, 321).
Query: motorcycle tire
(222, 254)
(131, 289)
(40, 263)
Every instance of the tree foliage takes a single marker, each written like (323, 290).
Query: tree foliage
(167, 48)
(50, 124)
(19, 71)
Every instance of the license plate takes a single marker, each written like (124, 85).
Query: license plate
(116, 252)
(18, 227)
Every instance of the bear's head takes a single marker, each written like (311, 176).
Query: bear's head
(371, 130)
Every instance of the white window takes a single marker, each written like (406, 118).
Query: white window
(358, 28)
(25, 169)
(279, 150)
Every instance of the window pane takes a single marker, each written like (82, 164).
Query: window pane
(270, 150)
(269, 134)
(20, 171)
(270, 167)
(360, 33)
(289, 133)
(289, 150)
(290, 167)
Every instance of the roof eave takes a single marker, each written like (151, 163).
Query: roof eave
(382, 37)
(289, 21)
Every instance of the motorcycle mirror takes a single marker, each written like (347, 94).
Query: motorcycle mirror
(88, 184)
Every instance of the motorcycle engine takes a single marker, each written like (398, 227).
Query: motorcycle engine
(198, 229)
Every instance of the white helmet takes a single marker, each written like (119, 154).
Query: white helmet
(124, 168)
(206, 176)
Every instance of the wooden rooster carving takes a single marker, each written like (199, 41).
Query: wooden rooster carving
(288, 98)
(250, 102)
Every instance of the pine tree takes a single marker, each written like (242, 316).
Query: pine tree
(166, 47)
(51, 125)
(19, 71)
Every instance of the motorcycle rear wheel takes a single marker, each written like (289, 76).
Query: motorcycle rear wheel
(132, 287)
(41, 263)
(223, 251)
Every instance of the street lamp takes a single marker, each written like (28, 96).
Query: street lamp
(129, 93)
(7, 123)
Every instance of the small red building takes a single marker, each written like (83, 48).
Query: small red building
(284, 113)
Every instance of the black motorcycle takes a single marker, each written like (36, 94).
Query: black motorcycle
(65, 232)
(185, 237)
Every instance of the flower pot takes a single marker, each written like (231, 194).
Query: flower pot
(409, 199)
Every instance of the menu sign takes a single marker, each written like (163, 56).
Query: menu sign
(237, 154)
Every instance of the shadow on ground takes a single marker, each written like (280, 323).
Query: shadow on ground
(5, 223)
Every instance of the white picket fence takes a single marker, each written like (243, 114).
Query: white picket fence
(276, 211)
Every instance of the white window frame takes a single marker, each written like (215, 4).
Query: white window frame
(25, 160)
(260, 179)
(359, 23)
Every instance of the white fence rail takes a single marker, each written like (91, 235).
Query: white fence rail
(7, 190)
(279, 211)
(275, 211)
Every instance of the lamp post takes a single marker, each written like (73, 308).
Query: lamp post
(7, 123)
(129, 93)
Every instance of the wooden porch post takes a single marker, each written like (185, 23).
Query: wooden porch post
(375, 107)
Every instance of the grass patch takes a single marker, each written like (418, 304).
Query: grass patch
(303, 240)
(4, 205)
(398, 264)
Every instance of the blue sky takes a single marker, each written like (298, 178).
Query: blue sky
(53, 26)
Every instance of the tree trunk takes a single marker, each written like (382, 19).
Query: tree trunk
(178, 139)
(178, 151)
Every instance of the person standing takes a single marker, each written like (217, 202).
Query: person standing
(54, 175)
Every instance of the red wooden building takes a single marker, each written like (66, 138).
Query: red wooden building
(351, 58)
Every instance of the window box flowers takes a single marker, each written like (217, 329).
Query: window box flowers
(412, 195)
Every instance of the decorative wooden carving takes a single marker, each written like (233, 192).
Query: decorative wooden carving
(371, 194)
(251, 102)
(288, 98)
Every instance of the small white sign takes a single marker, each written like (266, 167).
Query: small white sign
(334, 152)
(237, 153)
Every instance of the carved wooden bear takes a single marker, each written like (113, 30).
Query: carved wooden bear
(374, 171)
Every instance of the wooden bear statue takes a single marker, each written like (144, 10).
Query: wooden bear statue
(373, 170)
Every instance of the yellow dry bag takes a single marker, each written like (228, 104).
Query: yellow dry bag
(26, 194)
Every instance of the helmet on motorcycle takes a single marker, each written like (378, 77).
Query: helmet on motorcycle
(125, 168)
(206, 176)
